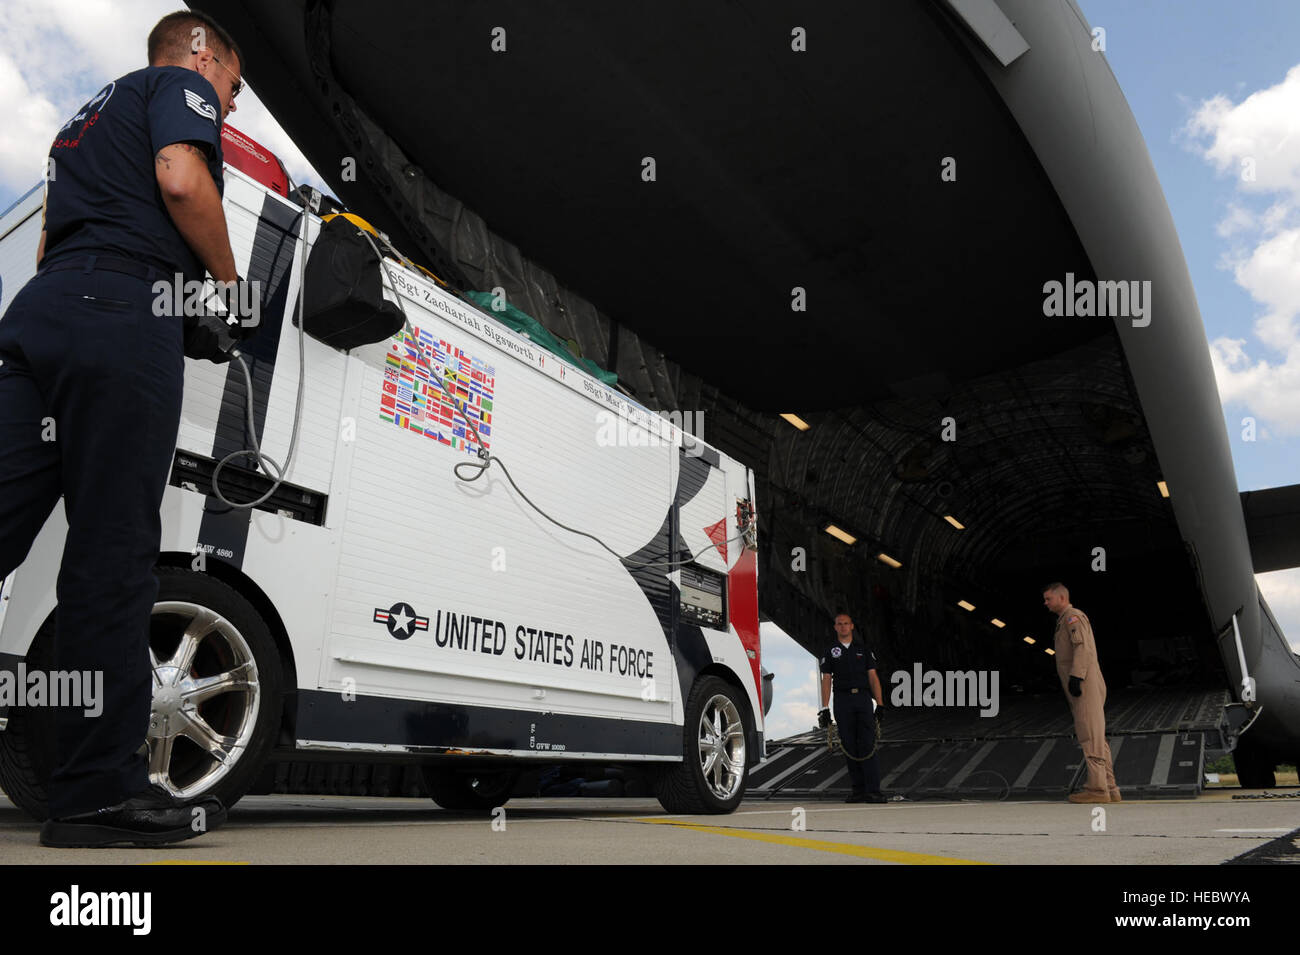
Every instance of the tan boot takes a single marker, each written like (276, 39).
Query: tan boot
(1115, 796)
(1086, 795)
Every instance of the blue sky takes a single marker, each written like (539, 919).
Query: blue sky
(1171, 59)
(1208, 81)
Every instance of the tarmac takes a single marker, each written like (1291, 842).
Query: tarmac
(323, 830)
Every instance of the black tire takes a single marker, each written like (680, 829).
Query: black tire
(27, 745)
(685, 787)
(243, 718)
(469, 792)
(1255, 769)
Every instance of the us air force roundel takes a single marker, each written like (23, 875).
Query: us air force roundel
(402, 620)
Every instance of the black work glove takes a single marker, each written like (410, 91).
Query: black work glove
(209, 338)
(213, 335)
(880, 712)
(242, 300)
(1076, 686)
(823, 718)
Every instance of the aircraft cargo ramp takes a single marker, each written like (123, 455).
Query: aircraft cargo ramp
(1158, 739)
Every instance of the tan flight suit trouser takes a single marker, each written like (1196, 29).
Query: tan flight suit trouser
(1076, 655)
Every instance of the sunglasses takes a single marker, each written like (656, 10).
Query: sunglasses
(239, 84)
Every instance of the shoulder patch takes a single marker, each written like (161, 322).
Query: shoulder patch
(102, 97)
(836, 651)
(1074, 620)
(201, 106)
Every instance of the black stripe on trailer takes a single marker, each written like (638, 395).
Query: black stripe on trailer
(327, 716)
(691, 652)
(223, 529)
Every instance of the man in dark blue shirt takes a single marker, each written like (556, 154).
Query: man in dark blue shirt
(91, 372)
(851, 668)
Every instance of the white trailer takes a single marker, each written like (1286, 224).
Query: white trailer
(380, 610)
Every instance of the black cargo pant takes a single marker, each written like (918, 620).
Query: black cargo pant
(90, 402)
(857, 723)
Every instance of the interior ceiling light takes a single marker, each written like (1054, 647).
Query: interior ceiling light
(997, 623)
(886, 559)
(965, 606)
(798, 422)
(1164, 488)
(840, 534)
(1030, 640)
(1050, 652)
(954, 522)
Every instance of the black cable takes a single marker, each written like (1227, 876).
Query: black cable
(488, 459)
(256, 450)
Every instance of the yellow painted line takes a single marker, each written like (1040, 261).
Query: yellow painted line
(192, 862)
(842, 848)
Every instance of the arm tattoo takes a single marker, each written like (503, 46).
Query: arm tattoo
(163, 159)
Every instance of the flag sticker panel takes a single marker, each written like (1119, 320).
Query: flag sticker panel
(422, 376)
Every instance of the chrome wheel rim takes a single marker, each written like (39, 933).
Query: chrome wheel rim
(721, 747)
(206, 697)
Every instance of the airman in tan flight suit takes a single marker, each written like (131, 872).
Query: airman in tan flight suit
(1085, 691)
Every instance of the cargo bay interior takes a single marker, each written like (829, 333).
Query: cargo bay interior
(860, 237)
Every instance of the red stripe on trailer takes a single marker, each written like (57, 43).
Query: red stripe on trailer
(742, 584)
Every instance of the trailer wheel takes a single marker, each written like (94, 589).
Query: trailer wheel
(217, 688)
(27, 745)
(216, 698)
(711, 777)
(469, 792)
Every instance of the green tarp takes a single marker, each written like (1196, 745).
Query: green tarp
(530, 328)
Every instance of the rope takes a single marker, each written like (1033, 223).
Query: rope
(834, 744)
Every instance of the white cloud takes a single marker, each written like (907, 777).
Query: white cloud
(1270, 389)
(1262, 130)
(57, 53)
(28, 118)
(1238, 219)
(1261, 136)
(1281, 589)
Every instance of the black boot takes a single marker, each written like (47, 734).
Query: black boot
(151, 817)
